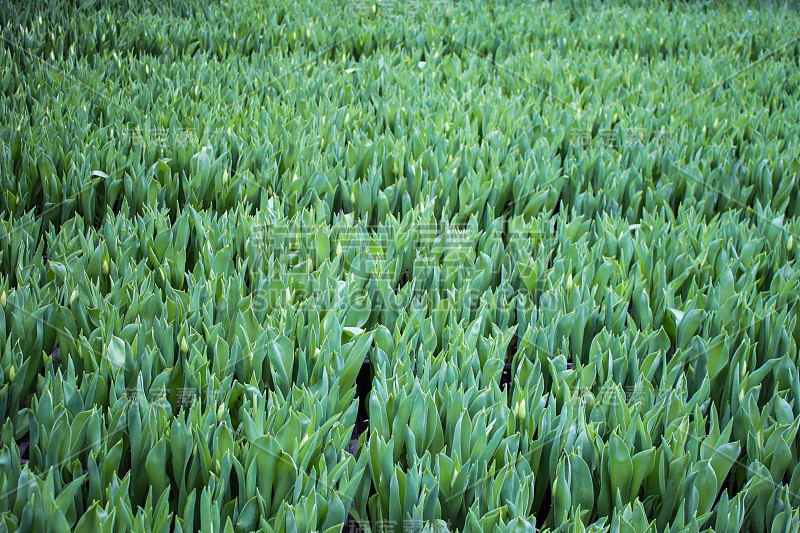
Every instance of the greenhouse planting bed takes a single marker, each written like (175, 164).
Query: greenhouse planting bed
(399, 266)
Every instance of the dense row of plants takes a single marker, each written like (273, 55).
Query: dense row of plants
(478, 267)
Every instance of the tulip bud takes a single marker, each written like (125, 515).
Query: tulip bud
(12, 373)
(73, 296)
(105, 267)
(184, 344)
(519, 409)
(3, 299)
